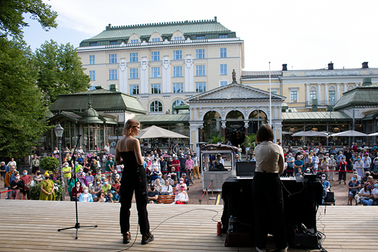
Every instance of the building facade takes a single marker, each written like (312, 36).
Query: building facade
(163, 64)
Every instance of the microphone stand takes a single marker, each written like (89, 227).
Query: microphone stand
(77, 224)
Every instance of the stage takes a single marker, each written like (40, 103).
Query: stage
(33, 225)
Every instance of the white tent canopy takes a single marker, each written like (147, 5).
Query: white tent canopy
(311, 133)
(374, 134)
(157, 132)
(351, 133)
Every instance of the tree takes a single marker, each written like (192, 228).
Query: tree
(59, 71)
(22, 111)
(12, 16)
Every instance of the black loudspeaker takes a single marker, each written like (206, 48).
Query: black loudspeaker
(307, 241)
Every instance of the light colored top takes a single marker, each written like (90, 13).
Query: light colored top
(269, 158)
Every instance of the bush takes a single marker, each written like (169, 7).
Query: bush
(49, 163)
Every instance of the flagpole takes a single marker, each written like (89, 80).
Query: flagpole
(270, 98)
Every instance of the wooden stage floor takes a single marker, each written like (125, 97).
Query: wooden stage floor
(32, 226)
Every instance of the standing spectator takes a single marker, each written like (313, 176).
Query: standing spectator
(35, 164)
(47, 189)
(189, 164)
(332, 167)
(176, 165)
(109, 168)
(348, 159)
(182, 160)
(106, 149)
(66, 170)
(315, 160)
(196, 172)
(27, 180)
(342, 168)
(290, 164)
(155, 164)
(12, 163)
(38, 177)
(163, 165)
(359, 167)
(353, 186)
(367, 162)
(374, 168)
(4, 169)
(310, 166)
(9, 177)
(170, 168)
(298, 165)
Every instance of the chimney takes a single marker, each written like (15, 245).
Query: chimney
(284, 67)
(365, 64)
(330, 66)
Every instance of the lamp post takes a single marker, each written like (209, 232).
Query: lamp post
(59, 134)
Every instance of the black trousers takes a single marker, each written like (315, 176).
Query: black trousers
(134, 181)
(268, 208)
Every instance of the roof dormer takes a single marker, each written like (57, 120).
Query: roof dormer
(155, 37)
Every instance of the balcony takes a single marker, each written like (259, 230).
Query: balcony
(320, 103)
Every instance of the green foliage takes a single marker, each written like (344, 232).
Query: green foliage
(12, 16)
(60, 71)
(35, 190)
(249, 141)
(49, 163)
(216, 139)
(22, 112)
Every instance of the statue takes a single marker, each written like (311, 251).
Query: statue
(233, 76)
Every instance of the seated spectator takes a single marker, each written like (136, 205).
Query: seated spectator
(181, 197)
(18, 187)
(172, 178)
(56, 175)
(101, 197)
(158, 186)
(113, 196)
(353, 186)
(81, 176)
(98, 175)
(76, 191)
(186, 180)
(89, 178)
(365, 178)
(366, 194)
(374, 168)
(152, 195)
(105, 187)
(298, 165)
(166, 189)
(38, 177)
(85, 196)
(96, 187)
(326, 186)
(155, 174)
(375, 194)
(116, 185)
(310, 166)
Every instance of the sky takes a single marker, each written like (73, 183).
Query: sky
(303, 34)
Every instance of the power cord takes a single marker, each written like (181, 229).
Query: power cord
(196, 209)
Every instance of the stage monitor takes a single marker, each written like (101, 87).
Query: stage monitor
(245, 169)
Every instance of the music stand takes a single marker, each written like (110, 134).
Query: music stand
(77, 224)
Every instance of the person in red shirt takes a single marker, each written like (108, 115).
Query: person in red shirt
(76, 191)
(342, 170)
(176, 165)
(27, 179)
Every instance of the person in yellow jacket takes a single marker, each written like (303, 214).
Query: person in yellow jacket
(47, 188)
(9, 177)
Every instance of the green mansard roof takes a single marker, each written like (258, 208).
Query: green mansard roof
(190, 29)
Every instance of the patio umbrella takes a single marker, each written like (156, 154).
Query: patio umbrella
(311, 133)
(351, 133)
(157, 132)
(374, 134)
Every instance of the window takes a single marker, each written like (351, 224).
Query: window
(223, 83)
(177, 71)
(200, 70)
(134, 41)
(223, 52)
(155, 89)
(155, 72)
(274, 91)
(177, 55)
(92, 88)
(112, 58)
(177, 103)
(91, 59)
(155, 40)
(134, 89)
(113, 74)
(200, 37)
(200, 53)
(294, 96)
(92, 75)
(331, 97)
(223, 36)
(312, 95)
(134, 73)
(156, 106)
(155, 56)
(93, 44)
(200, 87)
(133, 57)
(177, 38)
(178, 88)
(223, 69)
(113, 42)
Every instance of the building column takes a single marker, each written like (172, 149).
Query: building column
(189, 85)
(144, 76)
(337, 92)
(345, 87)
(166, 75)
(356, 84)
(201, 133)
(326, 93)
(123, 76)
(319, 94)
(223, 128)
(308, 93)
(246, 127)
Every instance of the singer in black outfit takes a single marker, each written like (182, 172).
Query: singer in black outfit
(267, 191)
(133, 179)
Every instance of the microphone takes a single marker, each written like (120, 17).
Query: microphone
(304, 228)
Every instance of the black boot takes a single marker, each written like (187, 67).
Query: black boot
(126, 238)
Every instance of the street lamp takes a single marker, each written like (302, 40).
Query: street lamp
(59, 134)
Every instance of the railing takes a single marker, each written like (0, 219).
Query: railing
(18, 194)
(320, 103)
(207, 192)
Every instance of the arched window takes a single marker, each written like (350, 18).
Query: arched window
(156, 106)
